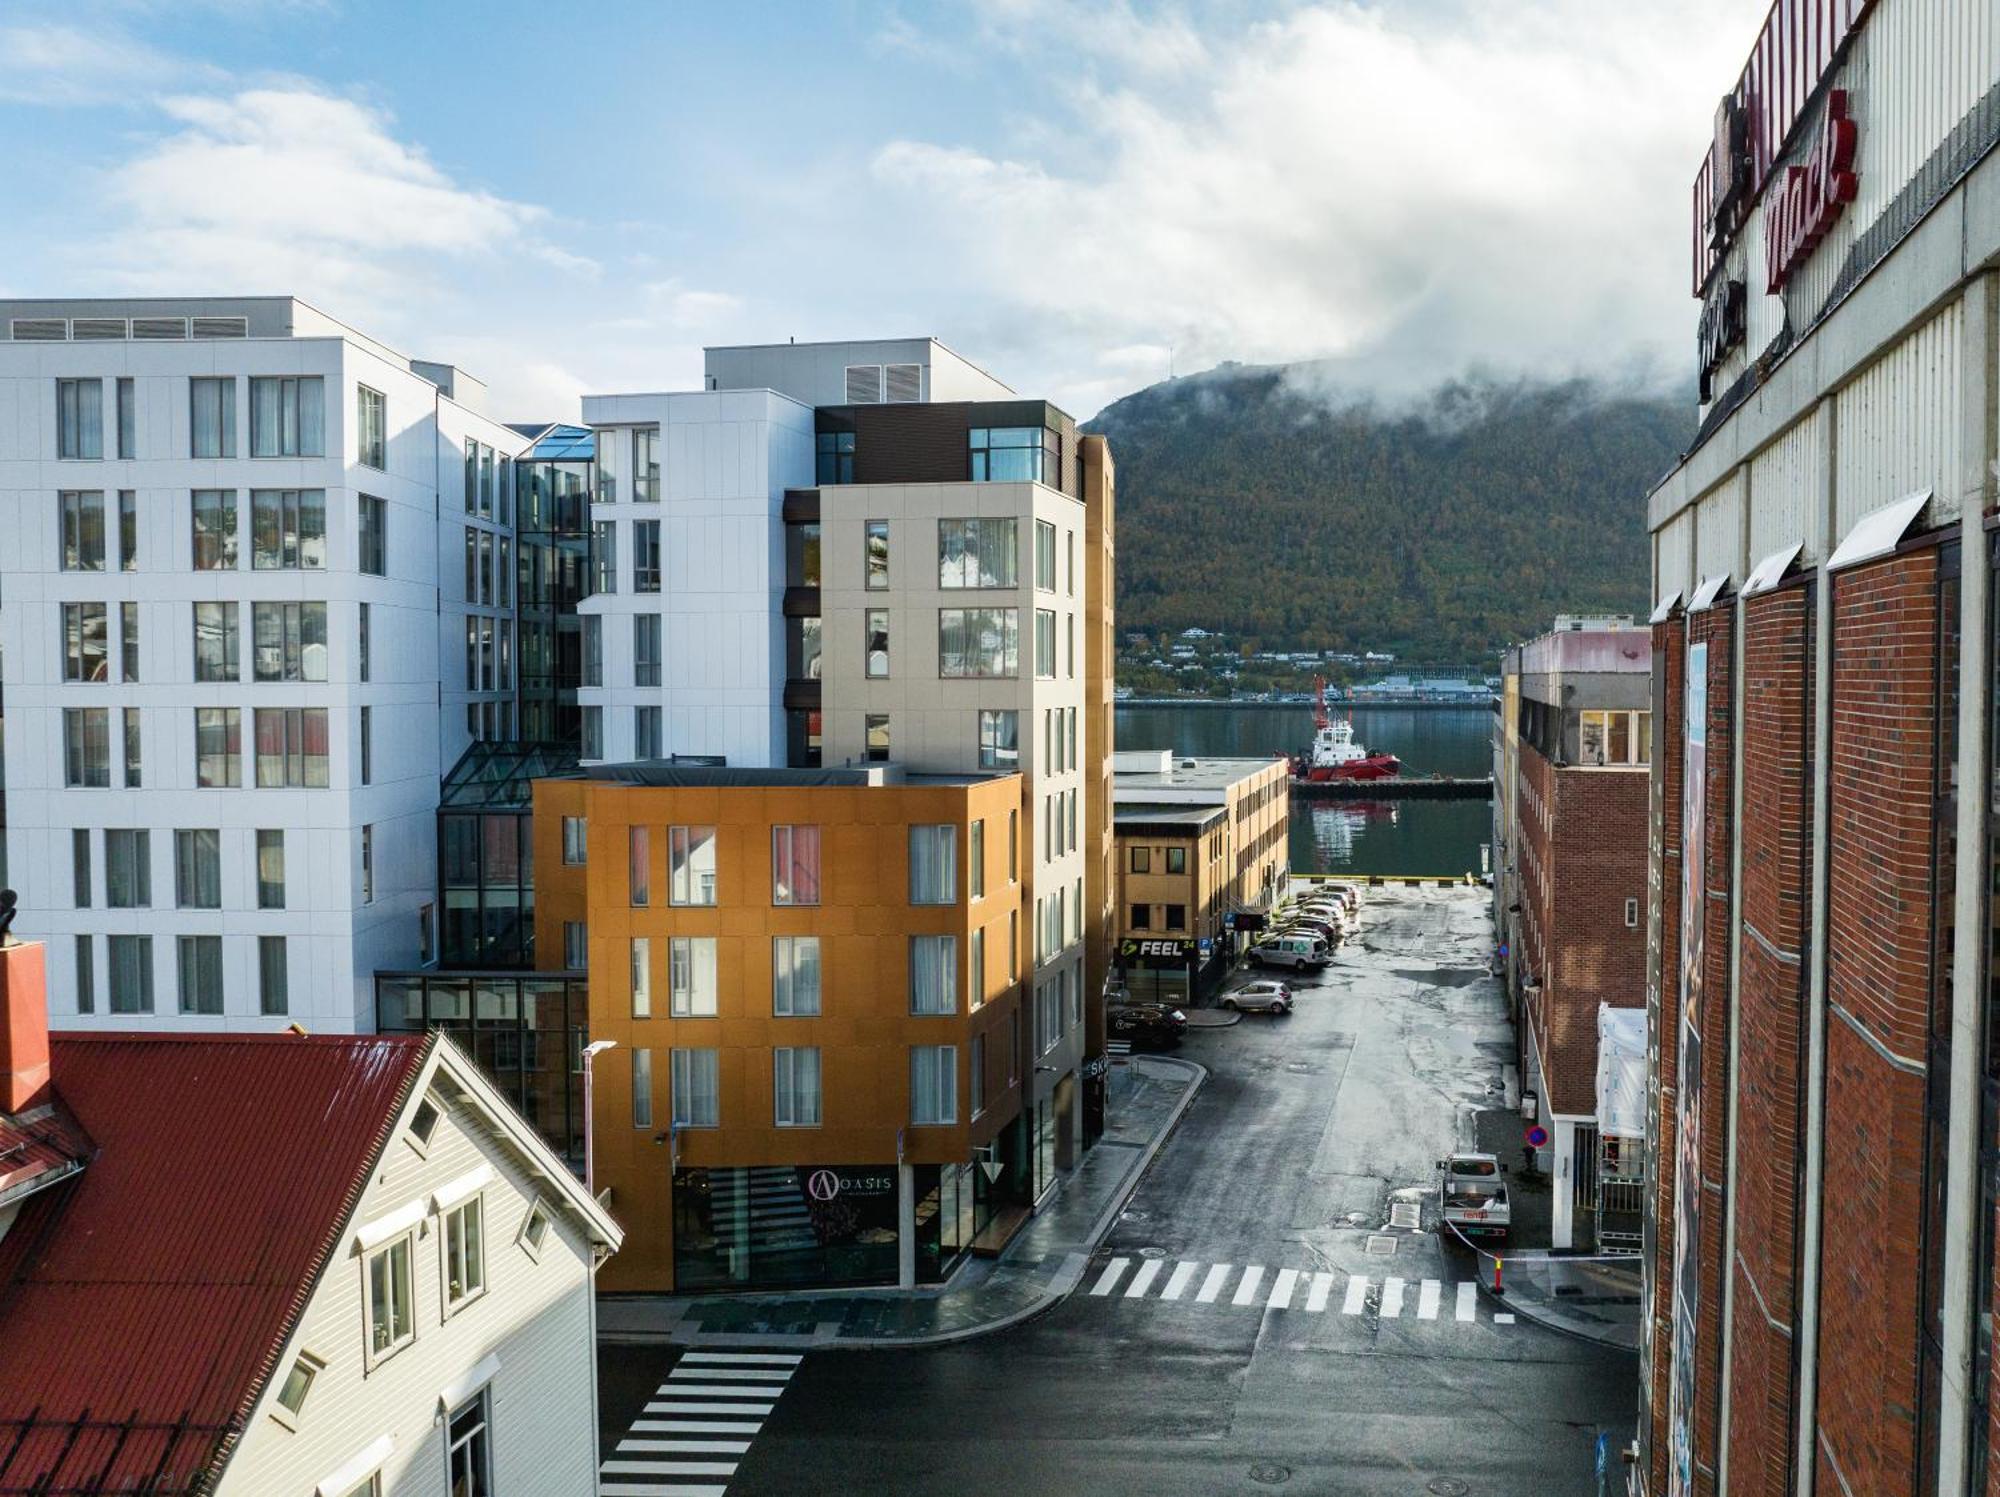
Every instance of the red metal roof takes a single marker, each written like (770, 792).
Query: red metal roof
(143, 1302)
(38, 1148)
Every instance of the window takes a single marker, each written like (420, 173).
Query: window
(642, 977)
(975, 967)
(645, 556)
(298, 1382)
(391, 1300)
(999, 739)
(639, 858)
(131, 974)
(1013, 847)
(201, 974)
(835, 453)
(1142, 860)
(198, 869)
(1045, 644)
(128, 641)
(642, 1086)
(1072, 738)
(795, 976)
(128, 531)
(1142, 917)
(576, 946)
(367, 745)
(975, 861)
(934, 864)
(877, 642)
(1016, 454)
(593, 650)
(978, 1074)
(214, 530)
(82, 530)
(1069, 626)
(132, 767)
(362, 631)
(979, 642)
(1177, 860)
(1615, 738)
(875, 554)
(469, 1451)
(692, 978)
(218, 746)
(1013, 946)
(84, 642)
(371, 427)
(368, 865)
(593, 733)
(604, 546)
(288, 529)
(1176, 917)
(645, 649)
(215, 645)
(79, 866)
(979, 552)
(87, 747)
(535, 1230)
(691, 851)
(80, 418)
(212, 417)
(646, 736)
(646, 464)
(1048, 1015)
(933, 975)
(270, 868)
(696, 1100)
(273, 983)
(795, 1087)
(128, 419)
(1631, 914)
(291, 747)
(794, 865)
(1045, 557)
(875, 737)
(287, 417)
(464, 1252)
(1069, 561)
(288, 641)
(374, 548)
(933, 1084)
(575, 841)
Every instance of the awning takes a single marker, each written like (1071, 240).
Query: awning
(1621, 1072)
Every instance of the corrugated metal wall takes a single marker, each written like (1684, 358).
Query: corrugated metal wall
(1899, 424)
(1786, 481)
(1718, 530)
(1671, 557)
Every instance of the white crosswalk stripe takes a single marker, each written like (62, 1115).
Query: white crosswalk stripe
(1177, 1281)
(1143, 1279)
(1392, 1298)
(660, 1489)
(1113, 1271)
(1281, 1290)
(1256, 1287)
(1246, 1287)
(1322, 1285)
(1212, 1285)
(717, 1393)
(1468, 1301)
(1357, 1295)
(1427, 1300)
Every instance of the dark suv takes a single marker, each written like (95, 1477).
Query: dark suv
(1146, 1024)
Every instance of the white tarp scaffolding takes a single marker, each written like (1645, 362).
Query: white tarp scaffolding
(1621, 1072)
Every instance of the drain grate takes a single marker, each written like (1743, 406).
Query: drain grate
(1446, 1486)
(1152, 1252)
(1381, 1245)
(1406, 1214)
(1270, 1473)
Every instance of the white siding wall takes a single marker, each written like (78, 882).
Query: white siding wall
(1718, 531)
(1898, 425)
(1787, 480)
(1673, 557)
(535, 1316)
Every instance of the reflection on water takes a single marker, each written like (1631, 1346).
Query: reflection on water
(1430, 837)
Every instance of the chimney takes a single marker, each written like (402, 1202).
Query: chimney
(24, 1028)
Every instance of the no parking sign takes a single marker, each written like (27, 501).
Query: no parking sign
(1538, 1137)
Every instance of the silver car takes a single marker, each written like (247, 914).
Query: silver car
(1261, 997)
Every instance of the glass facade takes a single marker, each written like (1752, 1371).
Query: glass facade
(486, 865)
(525, 1030)
(552, 518)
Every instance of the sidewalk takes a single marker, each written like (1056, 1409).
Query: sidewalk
(1147, 1095)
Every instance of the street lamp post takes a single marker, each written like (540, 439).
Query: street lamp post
(590, 1053)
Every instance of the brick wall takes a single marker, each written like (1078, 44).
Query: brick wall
(1771, 993)
(1536, 777)
(1597, 839)
(1663, 967)
(1879, 897)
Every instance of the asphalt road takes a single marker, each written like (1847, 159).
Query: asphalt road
(1309, 1130)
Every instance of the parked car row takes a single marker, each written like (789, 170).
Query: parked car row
(1304, 932)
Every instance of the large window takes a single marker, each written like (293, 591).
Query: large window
(371, 428)
(84, 643)
(80, 418)
(201, 974)
(646, 733)
(645, 556)
(642, 1082)
(646, 464)
(288, 641)
(1615, 737)
(464, 1252)
(794, 865)
(979, 643)
(604, 547)
(999, 739)
(391, 1298)
(692, 978)
(87, 747)
(1048, 1015)
(215, 645)
(975, 969)
(639, 865)
(288, 417)
(980, 552)
(933, 975)
(128, 868)
(645, 649)
(1045, 644)
(373, 554)
(934, 864)
(218, 747)
(1045, 557)
(270, 868)
(836, 456)
(82, 530)
(795, 1087)
(795, 976)
(642, 977)
(214, 530)
(131, 974)
(697, 1101)
(469, 1449)
(198, 869)
(875, 643)
(212, 417)
(875, 555)
(593, 650)
(575, 841)
(288, 529)
(291, 747)
(933, 1084)
(691, 855)
(1016, 454)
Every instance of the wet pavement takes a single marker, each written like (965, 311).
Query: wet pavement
(1272, 1308)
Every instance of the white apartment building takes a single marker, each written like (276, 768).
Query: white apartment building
(239, 651)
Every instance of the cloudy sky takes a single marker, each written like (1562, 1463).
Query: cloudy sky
(1070, 193)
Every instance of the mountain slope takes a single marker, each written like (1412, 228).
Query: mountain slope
(1250, 502)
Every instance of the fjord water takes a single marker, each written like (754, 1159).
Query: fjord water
(1430, 837)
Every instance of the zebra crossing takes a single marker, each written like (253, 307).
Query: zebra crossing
(688, 1438)
(1307, 1290)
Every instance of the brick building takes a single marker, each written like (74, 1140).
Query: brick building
(1824, 1054)
(1571, 886)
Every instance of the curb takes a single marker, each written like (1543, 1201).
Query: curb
(1519, 1307)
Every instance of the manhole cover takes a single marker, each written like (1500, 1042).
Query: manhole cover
(1381, 1246)
(1406, 1214)
(1270, 1473)
(1446, 1486)
(1152, 1252)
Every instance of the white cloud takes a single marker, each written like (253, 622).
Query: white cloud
(67, 65)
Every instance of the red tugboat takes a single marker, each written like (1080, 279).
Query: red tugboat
(1335, 755)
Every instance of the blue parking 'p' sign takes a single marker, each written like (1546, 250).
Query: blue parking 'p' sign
(1538, 1137)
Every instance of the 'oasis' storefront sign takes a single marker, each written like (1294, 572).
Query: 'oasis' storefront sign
(1808, 201)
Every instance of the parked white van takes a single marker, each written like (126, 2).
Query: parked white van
(1293, 951)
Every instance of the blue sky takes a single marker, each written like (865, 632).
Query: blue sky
(1071, 194)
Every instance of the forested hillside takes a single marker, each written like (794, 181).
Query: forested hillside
(1251, 502)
